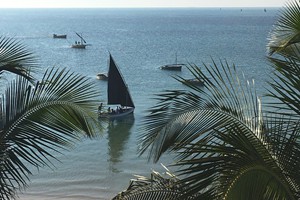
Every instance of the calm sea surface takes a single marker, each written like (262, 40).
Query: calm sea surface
(140, 40)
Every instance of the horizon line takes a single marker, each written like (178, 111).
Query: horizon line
(141, 7)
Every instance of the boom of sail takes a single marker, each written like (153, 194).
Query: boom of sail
(80, 38)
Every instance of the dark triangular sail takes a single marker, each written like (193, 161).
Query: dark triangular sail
(117, 91)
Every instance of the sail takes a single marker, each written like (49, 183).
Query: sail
(117, 91)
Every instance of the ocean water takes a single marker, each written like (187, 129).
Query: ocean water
(140, 41)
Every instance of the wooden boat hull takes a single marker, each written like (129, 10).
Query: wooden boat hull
(102, 76)
(60, 36)
(117, 115)
(194, 81)
(79, 46)
(173, 67)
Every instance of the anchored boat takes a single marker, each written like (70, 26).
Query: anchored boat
(117, 94)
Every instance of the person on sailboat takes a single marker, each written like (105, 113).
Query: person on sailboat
(100, 107)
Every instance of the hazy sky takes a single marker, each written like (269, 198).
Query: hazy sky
(139, 3)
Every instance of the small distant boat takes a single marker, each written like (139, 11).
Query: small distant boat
(174, 67)
(79, 44)
(60, 36)
(265, 10)
(102, 76)
(117, 94)
(194, 81)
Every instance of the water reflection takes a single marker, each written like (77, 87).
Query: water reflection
(118, 133)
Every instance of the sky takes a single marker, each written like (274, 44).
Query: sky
(138, 3)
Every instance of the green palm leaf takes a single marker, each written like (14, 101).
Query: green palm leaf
(284, 48)
(235, 164)
(286, 32)
(37, 120)
(15, 58)
(285, 86)
(179, 114)
(155, 187)
(221, 139)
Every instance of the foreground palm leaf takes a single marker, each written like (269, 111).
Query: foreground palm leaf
(225, 147)
(15, 58)
(284, 48)
(285, 86)
(38, 120)
(156, 187)
(173, 122)
(286, 32)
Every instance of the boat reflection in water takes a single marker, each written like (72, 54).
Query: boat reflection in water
(118, 133)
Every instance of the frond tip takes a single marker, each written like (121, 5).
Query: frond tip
(155, 187)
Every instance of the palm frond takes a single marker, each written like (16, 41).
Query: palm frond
(15, 58)
(182, 116)
(221, 138)
(39, 120)
(232, 163)
(286, 32)
(155, 187)
(285, 86)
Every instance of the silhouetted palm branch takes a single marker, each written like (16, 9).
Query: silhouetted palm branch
(180, 113)
(156, 187)
(224, 145)
(284, 48)
(285, 86)
(36, 121)
(286, 32)
(15, 58)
